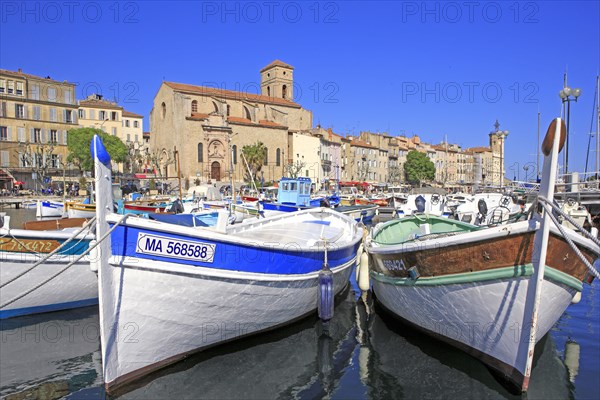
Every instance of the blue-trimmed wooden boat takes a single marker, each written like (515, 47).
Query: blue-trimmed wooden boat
(76, 287)
(184, 289)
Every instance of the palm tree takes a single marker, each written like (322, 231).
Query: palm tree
(255, 157)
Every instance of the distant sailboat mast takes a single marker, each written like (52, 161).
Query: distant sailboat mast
(596, 118)
(597, 125)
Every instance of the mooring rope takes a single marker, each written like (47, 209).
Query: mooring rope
(68, 265)
(85, 226)
(589, 266)
(571, 220)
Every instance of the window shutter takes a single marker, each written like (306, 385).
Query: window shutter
(74, 115)
(32, 135)
(25, 111)
(43, 135)
(65, 137)
(64, 113)
(58, 141)
(92, 114)
(9, 134)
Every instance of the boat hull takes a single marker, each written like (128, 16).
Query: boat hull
(207, 308)
(494, 331)
(46, 209)
(470, 289)
(359, 213)
(179, 290)
(76, 287)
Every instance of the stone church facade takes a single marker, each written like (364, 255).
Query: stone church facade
(209, 127)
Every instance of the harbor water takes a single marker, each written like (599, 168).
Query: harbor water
(364, 353)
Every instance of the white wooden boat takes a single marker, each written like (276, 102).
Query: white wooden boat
(186, 289)
(49, 209)
(27, 291)
(80, 210)
(491, 292)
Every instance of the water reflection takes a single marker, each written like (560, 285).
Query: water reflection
(304, 360)
(49, 355)
(405, 363)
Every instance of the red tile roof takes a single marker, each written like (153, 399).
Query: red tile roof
(477, 150)
(240, 120)
(270, 123)
(131, 115)
(229, 94)
(24, 75)
(277, 63)
(360, 143)
(99, 104)
(198, 116)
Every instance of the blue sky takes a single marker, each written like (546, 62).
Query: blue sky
(433, 69)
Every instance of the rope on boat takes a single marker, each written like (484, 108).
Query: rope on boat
(47, 256)
(589, 266)
(122, 219)
(38, 254)
(571, 220)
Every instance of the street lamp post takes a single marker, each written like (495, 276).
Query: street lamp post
(567, 95)
(516, 175)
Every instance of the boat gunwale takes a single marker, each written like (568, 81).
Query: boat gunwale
(479, 235)
(230, 235)
(503, 273)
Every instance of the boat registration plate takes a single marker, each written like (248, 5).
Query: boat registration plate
(175, 248)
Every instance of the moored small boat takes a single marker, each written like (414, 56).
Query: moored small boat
(51, 285)
(185, 289)
(80, 210)
(49, 208)
(492, 292)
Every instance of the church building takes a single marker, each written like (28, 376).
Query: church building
(209, 127)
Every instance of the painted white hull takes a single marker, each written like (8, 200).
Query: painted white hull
(74, 213)
(76, 287)
(487, 317)
(359, 215)
(180, 309)
(49, 209)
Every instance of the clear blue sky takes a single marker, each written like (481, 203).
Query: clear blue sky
(431, 69)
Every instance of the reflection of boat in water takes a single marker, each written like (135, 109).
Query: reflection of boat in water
(402, 362)
(49, 355)
(297, 361)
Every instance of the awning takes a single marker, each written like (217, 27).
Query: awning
(19, 182)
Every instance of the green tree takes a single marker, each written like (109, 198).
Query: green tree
(418, 168)
(78, 143)
(255, 157)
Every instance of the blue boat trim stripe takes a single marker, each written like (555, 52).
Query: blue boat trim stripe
(17, 312)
